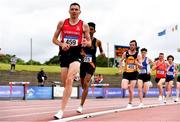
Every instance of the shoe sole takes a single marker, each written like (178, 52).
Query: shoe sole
(55, 117)
(79, 112)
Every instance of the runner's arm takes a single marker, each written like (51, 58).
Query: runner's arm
(121, 62)
(138, 61)
(154, 66)
(87, 41)
(57, 33)
(99, 44)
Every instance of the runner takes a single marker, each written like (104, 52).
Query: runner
(177, 85)
(88, 66)
(144, 76)
(130, 73)
(71, 31)
(160, 66)
(171, 69)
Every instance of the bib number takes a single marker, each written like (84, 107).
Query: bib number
(88, 58)
(160, 71)
(131, 66)
(170, 73)
(71, 40)
(142, 71)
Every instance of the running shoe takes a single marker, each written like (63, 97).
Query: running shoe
(141, 105)
(79, 110)
(129, 106)
(165, 101)
(160, 98)
(176, 100)
(58, 115)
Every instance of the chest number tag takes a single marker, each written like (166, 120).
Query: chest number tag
(71, 40)
(131, 66)
(88, 58)
(160, 71)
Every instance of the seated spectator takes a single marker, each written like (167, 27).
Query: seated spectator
(41, 76)
(98, 78)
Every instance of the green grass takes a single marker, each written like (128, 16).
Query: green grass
(107, 70)
(99, 70)
(31, 67)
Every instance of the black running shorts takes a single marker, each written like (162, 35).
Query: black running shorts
(86, 68)
(130, 75)
(144, 77)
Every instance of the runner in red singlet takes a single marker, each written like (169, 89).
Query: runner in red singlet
(161, 69)
(71, 41)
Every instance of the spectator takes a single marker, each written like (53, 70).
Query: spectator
(13, 62)
(41, 76)
(98, 78)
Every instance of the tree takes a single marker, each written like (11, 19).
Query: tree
(33, 62)
(101, 61)
(6, 59)
(53, 60)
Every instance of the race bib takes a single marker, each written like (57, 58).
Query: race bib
(142, 71)
(131, 66)
(160, 71)
(88, 58)
(71, 40)
(170, 73)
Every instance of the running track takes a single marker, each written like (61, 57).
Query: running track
(43, 110)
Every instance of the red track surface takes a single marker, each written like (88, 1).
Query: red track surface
(43, 110)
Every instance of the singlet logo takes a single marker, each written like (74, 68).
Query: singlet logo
(78, 28)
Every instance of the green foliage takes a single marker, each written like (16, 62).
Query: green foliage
(32, 62)
(101, 61)
(5, 58)
(20, 61)
(54, 60)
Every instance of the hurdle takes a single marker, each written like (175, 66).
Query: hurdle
(25, 85)
(104, 86)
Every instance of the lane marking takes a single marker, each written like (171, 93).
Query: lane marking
(38, 113)
(109, 111)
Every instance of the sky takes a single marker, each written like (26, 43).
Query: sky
(117, 23)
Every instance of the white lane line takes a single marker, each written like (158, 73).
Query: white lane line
(28, 108)
(22, 115)
(108, 111)
(70, 106)
(51, 112)
(39, 106)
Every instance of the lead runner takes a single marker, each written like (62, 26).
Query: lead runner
(71, 31)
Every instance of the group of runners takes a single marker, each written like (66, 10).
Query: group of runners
(78, 47)
(138, 69)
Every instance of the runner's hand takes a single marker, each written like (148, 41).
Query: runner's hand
(65, 46)
(84, 42)
(120, 71)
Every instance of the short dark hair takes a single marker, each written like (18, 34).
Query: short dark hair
(143, 49)
(156, 59)
(134, 42)
(92, 24)
(74, 4)
(170, 56)
(161, 53)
